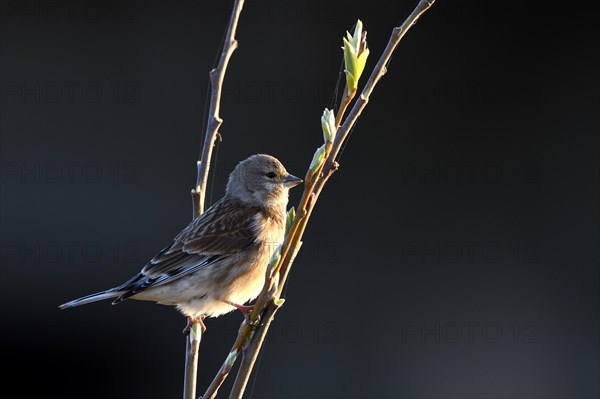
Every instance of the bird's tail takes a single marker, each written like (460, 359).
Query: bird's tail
(91, 298)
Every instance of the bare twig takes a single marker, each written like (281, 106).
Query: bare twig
(250, 353)
(214, 119)
(199, 192)
(223, 372)
(268, 301)
(194, 336)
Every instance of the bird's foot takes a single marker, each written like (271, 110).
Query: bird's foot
(246, 310)
(191, 321)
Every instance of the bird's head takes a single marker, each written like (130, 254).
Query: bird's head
(261, 180)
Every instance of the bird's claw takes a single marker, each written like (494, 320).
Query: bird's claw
(191, 321)
(250, 322)
(246, 310)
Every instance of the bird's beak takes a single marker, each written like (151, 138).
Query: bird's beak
(291, 181)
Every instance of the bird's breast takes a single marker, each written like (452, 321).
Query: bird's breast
(270, 230)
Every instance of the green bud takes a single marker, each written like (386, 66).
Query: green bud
(279, 301)
(355, 55)
(357, 37)
(350, 60)
(275, 257)
(361, 61)
(328, 125)
(291, 215)
(318, 159)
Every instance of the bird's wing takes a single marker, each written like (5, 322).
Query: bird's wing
(225, 229)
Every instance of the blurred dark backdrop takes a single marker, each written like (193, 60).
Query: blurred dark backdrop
(454, 255)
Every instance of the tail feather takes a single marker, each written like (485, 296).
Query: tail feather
(91, 298)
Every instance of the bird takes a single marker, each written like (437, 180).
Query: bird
(218, 262)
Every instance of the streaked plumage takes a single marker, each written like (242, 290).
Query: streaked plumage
(220, 258)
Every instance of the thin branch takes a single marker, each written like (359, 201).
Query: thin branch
(254, 343)
(330, 165)
(346, 99)
(378, 72)
(213, 388)
(199, 192)
(267, 302)
(194, 336)
(214, 119)
(250, 353)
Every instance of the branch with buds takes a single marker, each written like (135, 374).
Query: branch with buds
(252, 333)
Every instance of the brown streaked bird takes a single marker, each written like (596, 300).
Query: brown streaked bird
(218, 262)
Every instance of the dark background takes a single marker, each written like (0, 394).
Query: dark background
(454, 255)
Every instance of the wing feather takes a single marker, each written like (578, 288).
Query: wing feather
(225, 229)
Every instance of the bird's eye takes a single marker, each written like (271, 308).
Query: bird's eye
(271, 175)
